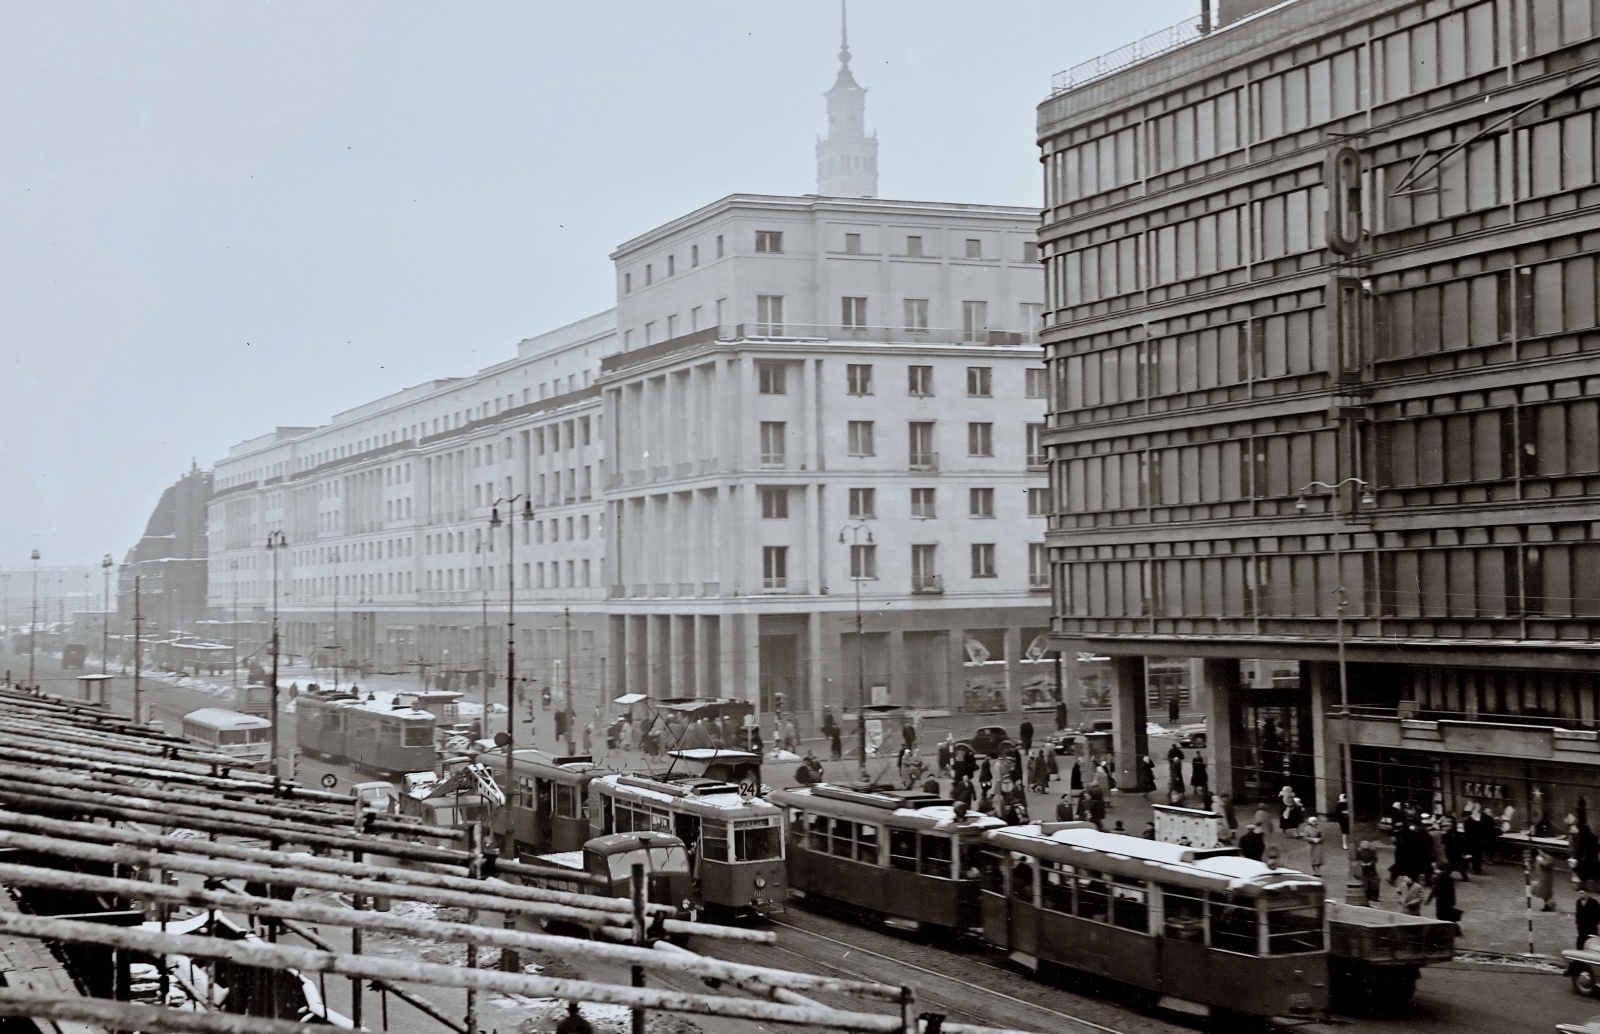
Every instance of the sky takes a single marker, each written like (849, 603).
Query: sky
(219, 218)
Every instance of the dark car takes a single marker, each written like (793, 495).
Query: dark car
(987, 740)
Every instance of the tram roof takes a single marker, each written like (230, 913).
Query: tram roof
(687, 794)
(1152, 859)
(574, 766)
(892, 809)
(221, 716)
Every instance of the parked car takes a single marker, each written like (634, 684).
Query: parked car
(987, 740)
(380, 794)
(1063, 742)
(1192, 736)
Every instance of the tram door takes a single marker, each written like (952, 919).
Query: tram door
(995, 898)
(544, 813)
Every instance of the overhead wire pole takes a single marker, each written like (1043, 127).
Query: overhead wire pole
(106, 564)
(510, 502)
(1355, 890)
(33, 617)
(276, 543)
(138, 647)
(858, 570)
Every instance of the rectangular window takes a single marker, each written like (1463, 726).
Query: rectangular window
(719, 245)
(864, 561)
(1036, 383)
(694, 255)
(974, 248)
(980, 439)
(980, 382)
(914, 247)
(694, 319)
(1038, 566)
(863, 503)
(770, 377)
(1035, 445)
(1038, 502)
(983, 560)
(920, 452)
(852, 244)
(773, 436)
(775, 503)
(924, 568)
(672, 265)
(974, 321)
(980, 502)
(774, 567)
(853, 313)
(1030, 251)
(861, 438)
(769, 315)
(768, 242)
(916, 314)
(627, 282)
(922, 503)
(919, 381)
(649, 274)
(859, 378)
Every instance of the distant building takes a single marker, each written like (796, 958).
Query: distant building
(1342, 244)
(847, 158)
(170, 563)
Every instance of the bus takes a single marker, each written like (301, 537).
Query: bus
(735, 841)
(246, 738)
(903, 856)
(1196, 929)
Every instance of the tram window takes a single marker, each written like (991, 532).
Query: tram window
(1022, 878)
(418, 736)
(567, 801)
(994, 872)
(1296, 928)
(1093, 898)
(971, 859)
(843, 838)
(1183, 915)
(867, 844)
(819, 834)
(903, 849)
(1130, 907)
(389, 732)
(714, 842)
(936, 856)
(754, 845)
(1233, 924)
(1055, 887)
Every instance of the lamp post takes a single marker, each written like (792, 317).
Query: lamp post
(33, 616)
(233, 571)
(511, 650)
(1355, 891)
(858, 573)
(276, 544)
(106, 563)
(482, 550)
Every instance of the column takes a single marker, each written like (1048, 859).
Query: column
(660, 626)
(1322, 678)
(956, 653)
(1129, 741)
(1218, 678)
(729, 674)
(820, 692)
(1013, 648)
(749, 642)
(677, 656)
(638, 677)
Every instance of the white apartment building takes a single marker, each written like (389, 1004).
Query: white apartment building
(816, 395)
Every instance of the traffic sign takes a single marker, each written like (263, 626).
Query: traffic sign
(329, 780)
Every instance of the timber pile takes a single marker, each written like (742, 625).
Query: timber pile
(109, 830)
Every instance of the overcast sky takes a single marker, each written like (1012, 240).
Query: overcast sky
(216, 218)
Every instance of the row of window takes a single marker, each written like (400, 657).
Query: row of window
(864, 503)
(861, 441)
(929, 854)
(1551, 440)
(1553, 580)
(766, 240)
(919, 380)
(1550, 298)
(533, 575)
(925, 575)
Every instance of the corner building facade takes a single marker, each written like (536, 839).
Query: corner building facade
(1216, 364)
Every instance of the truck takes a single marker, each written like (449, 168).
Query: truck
(1375, 956)
(610, 859)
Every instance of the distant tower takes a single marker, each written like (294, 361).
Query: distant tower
(847, 158)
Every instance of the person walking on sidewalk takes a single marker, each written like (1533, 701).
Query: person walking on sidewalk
(1544, 879)
(1456, 852)
(1312, 835)
(1586, 913)
(1199, 778)
(1341, 815)
(1411, 895)
(1252, 844)
(1025, 733)
(1367, 869)
(1443, 894)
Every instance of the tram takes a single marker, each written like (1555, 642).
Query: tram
(735, 842)
(389, 739)
(549, 812)
(320, 722)
(903, 855)
(1205, 930)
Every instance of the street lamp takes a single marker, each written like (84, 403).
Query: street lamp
(106, 563)
(1355, 891)
(277, 542)
(33, 616)
(858, 573)
(511, 652)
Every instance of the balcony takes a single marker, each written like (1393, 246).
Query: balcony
(1038, 583)
(988, 337)
(927, 585)
(773, 460)
(784, 587)
(923, 461)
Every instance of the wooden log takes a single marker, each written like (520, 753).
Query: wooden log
(417, 1002)
(110, 1015)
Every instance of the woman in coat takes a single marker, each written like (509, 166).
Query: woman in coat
(1312, 835)
(1544, 881)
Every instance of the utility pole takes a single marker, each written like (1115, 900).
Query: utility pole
(566, 672)
(858, 572)
(138, 649)
(33, 618)
(106, 563)
(233, 567)
(276, 543)
(511, 652)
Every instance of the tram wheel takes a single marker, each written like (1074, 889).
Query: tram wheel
(1583, 981)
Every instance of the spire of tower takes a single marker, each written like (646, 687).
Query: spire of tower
(847, 158)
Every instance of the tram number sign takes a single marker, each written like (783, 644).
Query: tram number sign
(753, 823)
(1487, 791)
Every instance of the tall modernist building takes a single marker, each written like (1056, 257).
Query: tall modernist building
(779, 373)
(1342, 243)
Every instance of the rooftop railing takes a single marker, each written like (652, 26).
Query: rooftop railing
(1170, 38)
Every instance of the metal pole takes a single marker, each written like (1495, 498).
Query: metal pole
(138, 648)
(33, 618)
(474, 871)
(275, 544)
(511, 677)
(566, 671)
(105, 613)
(335, 648)
(358, 903)
(234, 568)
